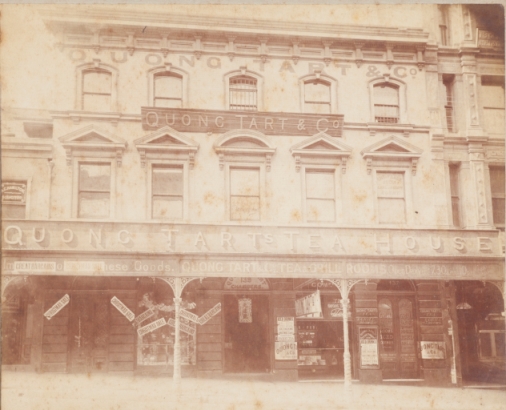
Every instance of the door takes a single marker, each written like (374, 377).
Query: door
(246, 334)
(398, 357)
(89, 332)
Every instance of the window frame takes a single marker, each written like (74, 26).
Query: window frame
(246, 73)
(492, 196)
(457, 168)
(407, 201)
(165, 163)
(168, 69)
(78, 160)
(96, 65)
(491, 80)
(261, 189)
(329, 169)
(449, 103)
(253, 90)
(401, 92)
(333, 90)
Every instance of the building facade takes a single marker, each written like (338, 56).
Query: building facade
(211, 196)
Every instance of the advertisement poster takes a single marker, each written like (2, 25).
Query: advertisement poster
(309, 306)
(286, 325)
(369, 347)
(433, 350)
(245, 314)
(285, 351)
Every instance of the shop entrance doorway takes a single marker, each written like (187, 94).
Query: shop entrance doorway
(89, 332)
(397, 337)
(246, 333)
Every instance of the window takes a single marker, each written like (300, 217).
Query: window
(243, 93)
(167, 192)
(320, 195)
(386, 103)
(168, 90)
(492, 97)
(94, 198)
(455, 194)
(14, 195)
(317, 97)
(448, 84)
(497, 189)
(444, 24)
(391, 201)
(245, 194)
(96, 90)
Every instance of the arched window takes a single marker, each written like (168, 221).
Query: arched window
(317, 96)
(168, 90)
(386, 103)
(96, 89)
(243, 93)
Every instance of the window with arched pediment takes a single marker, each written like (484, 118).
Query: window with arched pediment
(318, 94)
(386, 103)
(96, 89)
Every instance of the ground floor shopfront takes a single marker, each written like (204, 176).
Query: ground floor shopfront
(272, 328)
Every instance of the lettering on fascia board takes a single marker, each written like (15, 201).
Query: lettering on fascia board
(178, 240)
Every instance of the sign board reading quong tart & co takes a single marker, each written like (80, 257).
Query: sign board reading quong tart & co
(432, 350)
(285, 350)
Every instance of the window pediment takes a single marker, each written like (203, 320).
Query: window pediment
(166, 143)
(92, 141)
(248, 144)
(321, 149)
(391, 150)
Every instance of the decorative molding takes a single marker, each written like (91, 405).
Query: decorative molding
(166, 143)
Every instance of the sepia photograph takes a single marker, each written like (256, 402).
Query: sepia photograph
(252, 206)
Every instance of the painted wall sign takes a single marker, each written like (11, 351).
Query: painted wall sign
(432, 350)
(269, 123)
(286, 325)
(143, 316)
(245, 310)
(14, 193)
(209, 314)
(57, 307)
(151, 326)
(183, 326)
(285, 350)
(246, 284)
(309, 306)
(189, 315)
(118, 304)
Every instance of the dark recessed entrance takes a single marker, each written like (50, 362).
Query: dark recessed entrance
(246, 333)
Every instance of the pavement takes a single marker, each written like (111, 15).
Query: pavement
(31, 391)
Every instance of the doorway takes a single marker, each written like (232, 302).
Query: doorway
(397, 337)
(246, 333)
(89, 332)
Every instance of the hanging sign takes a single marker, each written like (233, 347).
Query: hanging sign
(309, 306)
(152, 326)
(433, 350)
(245, 313)
(57, 307)
(285, 350)
(118, 304)
(143, 316)
(286, 325)
(209, 314)
(368, 347)
(246, 284)
(189, 315)
(183, 326)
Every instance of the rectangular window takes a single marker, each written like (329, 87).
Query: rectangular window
(243, 93)
(14, 199)
(245, 194)
(455, 194)
(386, 103)
(391, 201)
(492, 97)
(167, 192)
(97, 86)
(168, 91)
(317, 97)
(94, 199)
(320, 195)
(497, 189)
(443, 24)
(448, 83)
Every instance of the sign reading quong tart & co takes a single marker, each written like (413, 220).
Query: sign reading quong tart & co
(269, 123)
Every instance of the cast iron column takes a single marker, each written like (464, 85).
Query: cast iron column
(177, 344)
(347, 356)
